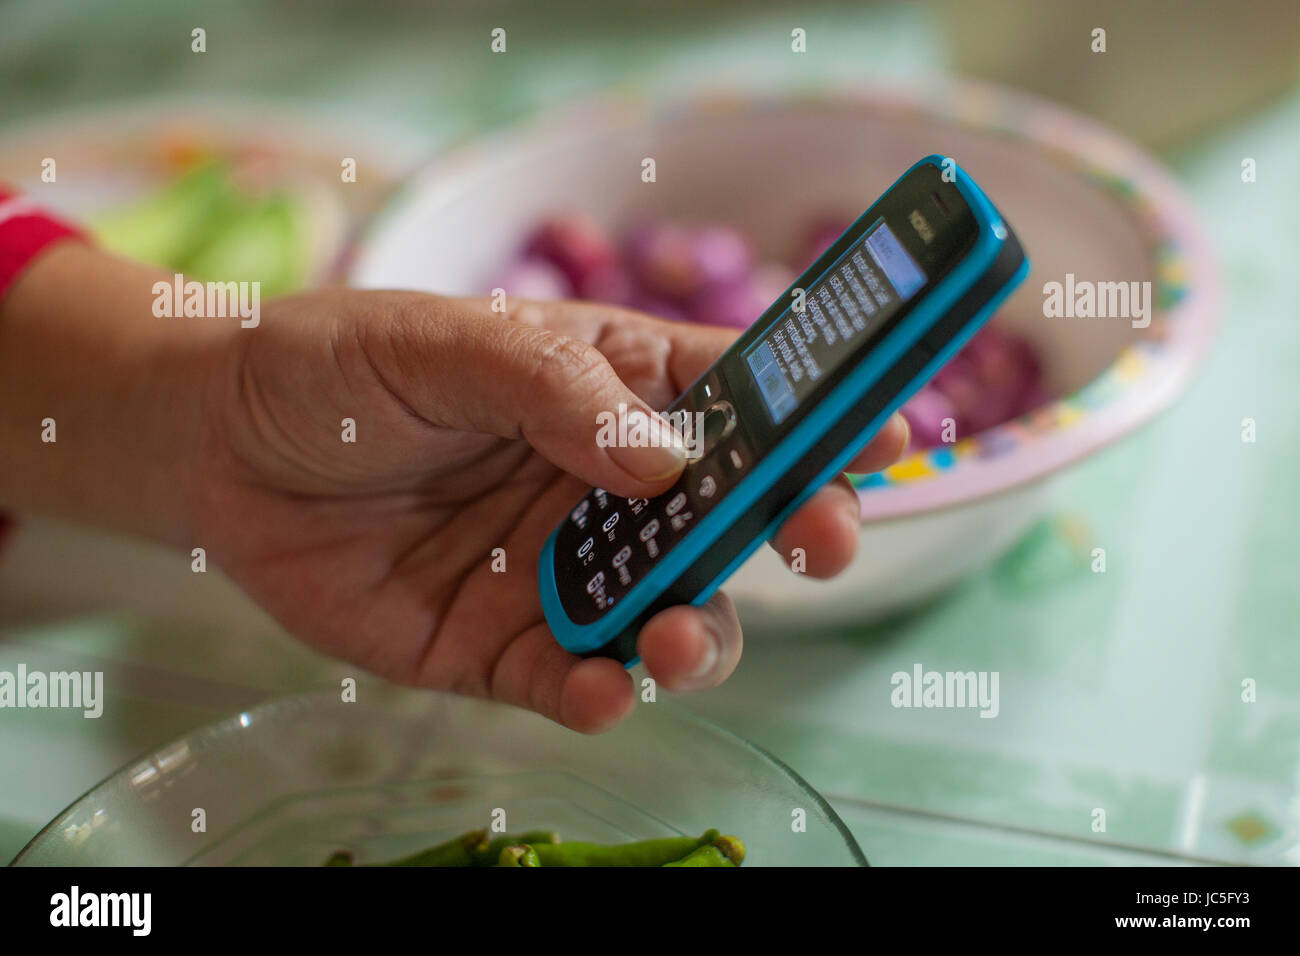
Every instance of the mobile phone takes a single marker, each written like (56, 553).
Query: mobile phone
(787, 406)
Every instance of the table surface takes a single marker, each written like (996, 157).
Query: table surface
(1120, 691)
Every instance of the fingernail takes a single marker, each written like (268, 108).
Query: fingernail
(853, 509)
(651, 449)
(907, 429)
(707, 664)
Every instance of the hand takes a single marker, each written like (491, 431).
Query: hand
(474, 431)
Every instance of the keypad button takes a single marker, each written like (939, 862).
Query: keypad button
(701, 395)
(620, 565)
(719, 423)
(610, 543)
(706, 485)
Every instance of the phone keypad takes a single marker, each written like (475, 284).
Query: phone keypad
(608, 543)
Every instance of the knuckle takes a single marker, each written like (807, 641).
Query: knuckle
(638, 356)
(563, 365)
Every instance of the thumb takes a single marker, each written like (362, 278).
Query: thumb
(558, 393)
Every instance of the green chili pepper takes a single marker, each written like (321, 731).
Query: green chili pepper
(724, 851)
(518, 855)
(731, 848)
(644, 853)
(457, 852)
(709, 855)
(543, 848)
(490, 853)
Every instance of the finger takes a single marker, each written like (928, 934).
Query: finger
(649, 352)
(596, 696)
(457, 368)
(689, 648)
(691, 351)
(884, 449)
(821, 538)
(589, 696)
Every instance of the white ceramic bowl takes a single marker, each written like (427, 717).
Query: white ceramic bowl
(1082, 200)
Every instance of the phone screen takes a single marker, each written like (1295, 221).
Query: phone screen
(855, 298)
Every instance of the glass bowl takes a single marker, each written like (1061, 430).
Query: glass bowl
(291, 781)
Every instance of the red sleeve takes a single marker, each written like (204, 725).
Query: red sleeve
(26, 230)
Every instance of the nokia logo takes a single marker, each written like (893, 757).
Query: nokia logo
(919, 223)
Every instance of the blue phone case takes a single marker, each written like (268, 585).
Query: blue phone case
(845, 419)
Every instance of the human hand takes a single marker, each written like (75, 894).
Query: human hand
(474, 431)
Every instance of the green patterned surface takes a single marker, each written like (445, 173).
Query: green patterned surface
(1119, 691)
